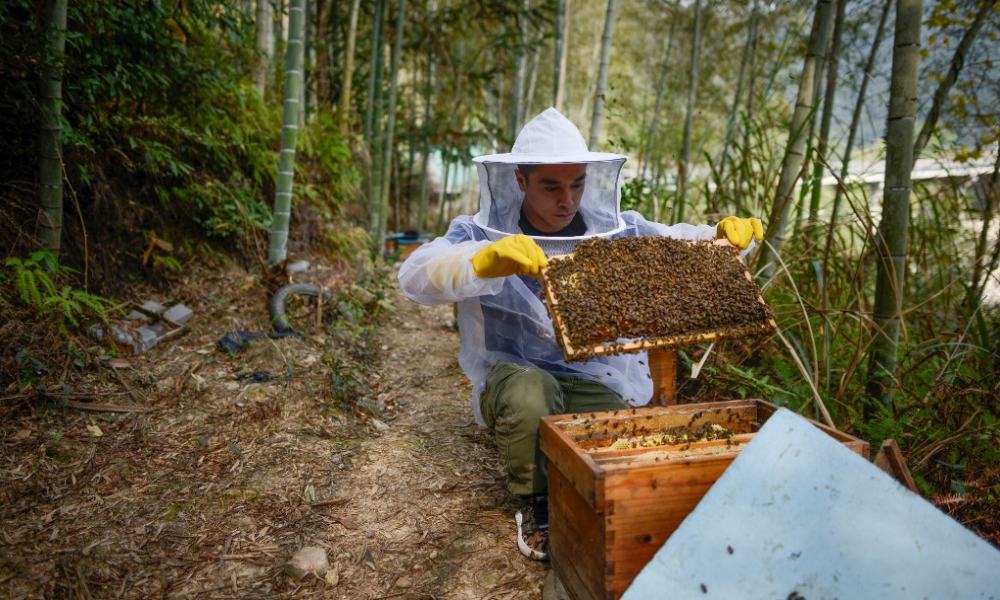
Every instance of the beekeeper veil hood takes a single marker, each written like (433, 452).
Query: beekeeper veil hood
(549, 138)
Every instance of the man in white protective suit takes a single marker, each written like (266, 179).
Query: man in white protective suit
(542, 198)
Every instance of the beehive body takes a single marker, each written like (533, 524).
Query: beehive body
(610, 510)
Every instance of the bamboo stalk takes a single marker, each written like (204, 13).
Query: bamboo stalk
(731, 122)
(684, 164)
(390, 126)
(602, 76)
(822, 145)
(50, 171)
(794, 151)
(891, 239)
(558, 50)
(265, 44)
(661, 87)
(278, 242)
(345, 94)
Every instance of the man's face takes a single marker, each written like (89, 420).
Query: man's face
(552, 194)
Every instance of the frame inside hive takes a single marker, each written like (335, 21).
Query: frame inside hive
(650, 342)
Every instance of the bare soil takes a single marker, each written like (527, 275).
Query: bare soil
(206, 485)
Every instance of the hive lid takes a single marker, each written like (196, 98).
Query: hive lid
(807, 518)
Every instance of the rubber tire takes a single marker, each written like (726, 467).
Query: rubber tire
(276, 306)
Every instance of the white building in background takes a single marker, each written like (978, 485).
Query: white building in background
(971, 177)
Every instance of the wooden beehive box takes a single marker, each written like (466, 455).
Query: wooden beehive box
(610, 510)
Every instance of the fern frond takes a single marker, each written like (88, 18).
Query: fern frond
(46, 282)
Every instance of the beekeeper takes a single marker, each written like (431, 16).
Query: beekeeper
(542, 198)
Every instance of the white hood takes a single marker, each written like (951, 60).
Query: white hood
(549, 138)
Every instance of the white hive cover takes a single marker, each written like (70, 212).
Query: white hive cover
(799, 516)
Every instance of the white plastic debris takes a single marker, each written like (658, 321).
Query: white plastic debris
(178, 314)
(798, 515)
(299, 266)
(308, 559)
(139, 330)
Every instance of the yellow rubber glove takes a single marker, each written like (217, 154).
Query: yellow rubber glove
(514, 255)
(739, 231)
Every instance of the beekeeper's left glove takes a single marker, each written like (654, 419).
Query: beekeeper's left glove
(513, 255)
(739, 231)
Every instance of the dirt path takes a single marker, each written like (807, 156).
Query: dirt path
(208, 484)
(433, 515)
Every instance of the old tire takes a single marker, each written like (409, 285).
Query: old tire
(276, 306)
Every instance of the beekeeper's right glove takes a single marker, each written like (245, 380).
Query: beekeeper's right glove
(513, 255)
(740, 232)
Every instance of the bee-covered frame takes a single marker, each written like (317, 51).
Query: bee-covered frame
(572, 353)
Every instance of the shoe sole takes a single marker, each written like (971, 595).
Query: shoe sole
(525, 549)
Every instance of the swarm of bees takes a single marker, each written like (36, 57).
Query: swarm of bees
(651, 287)
(672, 437)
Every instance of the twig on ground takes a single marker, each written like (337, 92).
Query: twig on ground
(95, 407)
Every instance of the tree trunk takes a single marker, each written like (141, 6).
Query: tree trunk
(890, 241)
(345, 92)
(321, 53)
(853, 129)
(558, 49)
(411, 138)
(602, 76)
(388, 143)
(844, 170)
(529, 94)
(265, 44)
(397, 193)
(278, 11)
(444, 193)
(373, 75)
(372, 117)
(305, 98)
(562, 100)
(957, 61)
(778, 220)
(822, 145)
(751, 66)
(335, 39)
(50, 164)
(809, 158)
(424, 182)
(731, 122)
(654, 121)
(520, 65)
(278, 242)
(688, 117)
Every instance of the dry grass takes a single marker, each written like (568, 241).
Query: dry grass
(210, 484)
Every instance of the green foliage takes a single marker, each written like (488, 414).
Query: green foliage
(635, 194)
(749, 383)
(36, 283)
(327, 178)
(30, 370)
(358, 311)
(167, 263)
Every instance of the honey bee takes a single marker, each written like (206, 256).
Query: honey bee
(650, 289)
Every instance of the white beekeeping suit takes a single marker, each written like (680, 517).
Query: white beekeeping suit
(503, 318)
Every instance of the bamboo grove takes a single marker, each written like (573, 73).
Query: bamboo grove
(863, 132)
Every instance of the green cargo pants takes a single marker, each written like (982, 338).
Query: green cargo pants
(513, 401)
